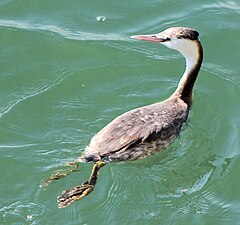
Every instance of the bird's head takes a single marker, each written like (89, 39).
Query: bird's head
(182, 39)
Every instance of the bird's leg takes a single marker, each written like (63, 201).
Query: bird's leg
(76, 193)
(60, 173)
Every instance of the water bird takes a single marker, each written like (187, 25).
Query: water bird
(149, 129)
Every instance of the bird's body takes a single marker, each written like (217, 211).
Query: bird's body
(138, 133)
(143, 131)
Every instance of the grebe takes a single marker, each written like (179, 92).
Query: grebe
(146, 130)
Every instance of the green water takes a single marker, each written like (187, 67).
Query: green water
(64, 75)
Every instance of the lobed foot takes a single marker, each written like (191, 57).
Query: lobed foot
(74, 163)
(73, 194)
(56, 176)
(60, 173)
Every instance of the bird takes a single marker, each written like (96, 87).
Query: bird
(143, 131)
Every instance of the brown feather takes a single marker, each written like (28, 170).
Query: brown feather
(159, 122)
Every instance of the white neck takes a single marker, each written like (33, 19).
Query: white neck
(190, 50)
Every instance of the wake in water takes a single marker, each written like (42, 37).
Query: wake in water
(65, 32)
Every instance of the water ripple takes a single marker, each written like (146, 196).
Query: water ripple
(26, 93)
(221, 72)
(64, 32)
(11, 146)
(17, 213)
(223, 6)
(149, 51)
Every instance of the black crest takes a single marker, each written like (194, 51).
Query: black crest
(187, 33)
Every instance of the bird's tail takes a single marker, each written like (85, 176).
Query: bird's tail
(76, 193)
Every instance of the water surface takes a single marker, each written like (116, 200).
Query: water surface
(65, 74)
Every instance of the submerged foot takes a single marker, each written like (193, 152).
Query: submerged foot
(60, 173)
(76, 193)
(74, 163)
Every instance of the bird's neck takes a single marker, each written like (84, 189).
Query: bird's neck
(193, 54)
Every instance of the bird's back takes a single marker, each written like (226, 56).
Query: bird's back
(139, 132)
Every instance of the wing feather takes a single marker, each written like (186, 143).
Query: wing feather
(136, 126)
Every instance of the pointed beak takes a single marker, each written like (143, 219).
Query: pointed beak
(149, 37)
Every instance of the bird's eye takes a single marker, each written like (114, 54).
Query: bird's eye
(167, 39)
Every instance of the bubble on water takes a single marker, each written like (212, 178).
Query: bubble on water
(29, 217)
(101, 18)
